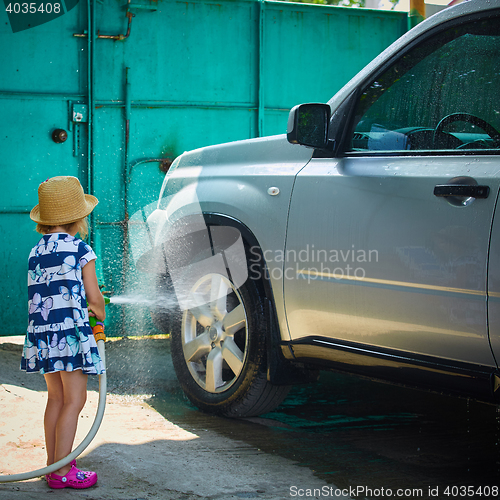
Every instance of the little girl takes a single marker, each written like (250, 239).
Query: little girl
(59, 341)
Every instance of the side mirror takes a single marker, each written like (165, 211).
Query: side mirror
(308, 125)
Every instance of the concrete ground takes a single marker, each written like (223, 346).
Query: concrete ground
(138, 453)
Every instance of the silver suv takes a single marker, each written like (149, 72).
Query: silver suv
(365, 240)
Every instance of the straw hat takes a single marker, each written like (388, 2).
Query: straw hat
(61, 200)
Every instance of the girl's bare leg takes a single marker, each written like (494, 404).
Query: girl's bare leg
(52, 410)
(73, 387)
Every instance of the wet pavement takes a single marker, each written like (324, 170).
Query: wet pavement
(354, 432)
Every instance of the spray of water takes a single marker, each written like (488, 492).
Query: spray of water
(159, 302)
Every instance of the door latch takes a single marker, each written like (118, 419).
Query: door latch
(462, 190)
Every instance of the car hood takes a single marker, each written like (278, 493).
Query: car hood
(271, 152)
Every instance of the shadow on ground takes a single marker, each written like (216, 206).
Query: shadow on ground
(353, 431)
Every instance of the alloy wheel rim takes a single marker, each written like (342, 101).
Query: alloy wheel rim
(215, 333)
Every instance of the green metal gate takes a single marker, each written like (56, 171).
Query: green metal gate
(135, 84)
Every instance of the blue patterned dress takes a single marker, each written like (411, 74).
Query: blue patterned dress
(59, 337)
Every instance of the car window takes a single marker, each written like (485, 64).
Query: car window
(443, 94)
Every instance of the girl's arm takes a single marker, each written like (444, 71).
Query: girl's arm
(94, 296)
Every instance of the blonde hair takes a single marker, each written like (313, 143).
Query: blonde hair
(81, 226)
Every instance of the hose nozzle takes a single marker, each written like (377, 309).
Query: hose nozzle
(97, 325)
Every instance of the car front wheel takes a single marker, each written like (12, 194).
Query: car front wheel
(219, 348)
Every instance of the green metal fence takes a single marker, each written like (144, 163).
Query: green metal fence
(188, 74)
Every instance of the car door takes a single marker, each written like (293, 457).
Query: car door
(387, 241)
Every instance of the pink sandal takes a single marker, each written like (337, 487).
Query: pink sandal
(47, 476)
(75, 478)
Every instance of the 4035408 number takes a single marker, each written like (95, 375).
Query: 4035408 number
(34, 8)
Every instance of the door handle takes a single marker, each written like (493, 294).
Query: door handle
(465, 190)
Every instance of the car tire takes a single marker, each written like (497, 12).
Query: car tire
(219, 348)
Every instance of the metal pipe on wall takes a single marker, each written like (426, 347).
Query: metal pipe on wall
(90, 90)
(129, 16)
(417, 13)
(128, 113)
(261, 103)
(417, 7)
